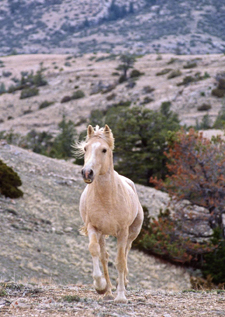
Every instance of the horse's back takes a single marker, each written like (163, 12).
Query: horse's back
(128, 181)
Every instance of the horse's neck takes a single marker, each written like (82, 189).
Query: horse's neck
(105, 185)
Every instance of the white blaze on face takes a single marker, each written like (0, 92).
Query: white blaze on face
(91, 161)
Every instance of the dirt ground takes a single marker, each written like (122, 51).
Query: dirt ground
(79, 300)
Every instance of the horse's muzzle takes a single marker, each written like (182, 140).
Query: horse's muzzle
(88, 175)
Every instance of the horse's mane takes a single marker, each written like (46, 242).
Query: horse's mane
(98, 133)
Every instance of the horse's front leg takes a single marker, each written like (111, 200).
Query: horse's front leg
(100, 283)
(121, 265)
(104, 260)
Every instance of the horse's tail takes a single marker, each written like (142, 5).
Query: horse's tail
(83, 230)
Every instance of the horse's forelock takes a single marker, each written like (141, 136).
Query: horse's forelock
(100, 133)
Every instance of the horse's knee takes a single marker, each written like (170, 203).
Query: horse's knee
(94, 248)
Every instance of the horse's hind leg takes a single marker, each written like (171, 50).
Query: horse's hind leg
(134, 230)
(100, 283)
(104, 259)
(121, 266)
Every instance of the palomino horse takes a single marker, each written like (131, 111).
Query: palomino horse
(109, 205)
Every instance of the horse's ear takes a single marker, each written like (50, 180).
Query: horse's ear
(107, 129)
(90, 131)
(108, 133)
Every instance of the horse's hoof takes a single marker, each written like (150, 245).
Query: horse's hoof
(108, 297)
(101, 291)
(100, 286)
(121, 299)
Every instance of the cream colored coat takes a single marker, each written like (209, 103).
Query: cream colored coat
(109, 205)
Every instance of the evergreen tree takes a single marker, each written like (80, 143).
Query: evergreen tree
(62, 146)
(127, 62)
(140, 136)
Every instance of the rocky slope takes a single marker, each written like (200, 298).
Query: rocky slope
(97, 77)
(40, 240)
(146, 26)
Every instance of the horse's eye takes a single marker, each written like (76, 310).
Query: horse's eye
(104, 151)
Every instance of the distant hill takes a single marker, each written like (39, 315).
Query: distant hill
(145, 26)
(185, 81)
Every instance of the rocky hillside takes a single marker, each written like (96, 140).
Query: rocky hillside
(187, 82)
(146, 26)
(40, 240)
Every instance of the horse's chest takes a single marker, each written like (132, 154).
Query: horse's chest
(104, 220)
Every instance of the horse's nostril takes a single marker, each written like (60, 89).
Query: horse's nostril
(82, 172)
(91, 173)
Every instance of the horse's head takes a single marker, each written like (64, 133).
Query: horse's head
(97, 152)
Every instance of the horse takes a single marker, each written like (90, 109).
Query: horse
(109, 205)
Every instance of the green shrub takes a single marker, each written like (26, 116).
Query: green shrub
(115, 74)
(6, 74)
(135, 73)
(148, 89)
(122, 79)
(38, 142)
(204, 107)
(111, 97)
(215, 261)
(187, 80)
(9, 182)
(71, 298)
(174, 73)
(147, 100)
(65, 99)
(38, 79)
(2, 88)
(220, 93)
(220, 120)
(163, 72)
(172, 60)
(46, 104)
(78, 94)
(62, 144)
(190, 65)
(29, 92)
(206, 75)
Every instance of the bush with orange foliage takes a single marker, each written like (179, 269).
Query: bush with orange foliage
(196, 172)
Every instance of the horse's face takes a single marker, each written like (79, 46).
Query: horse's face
(97, 159)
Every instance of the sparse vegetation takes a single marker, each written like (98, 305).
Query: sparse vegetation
(78, 94)
(148, 89)
(163, 71)
(71, 298)
(174, 73)
(65, 99)
(2, 88)
(135, 73)
(220, 90)
(204, 107)
(45, 104)
(127, 62)
(190, 65)
(29, 92)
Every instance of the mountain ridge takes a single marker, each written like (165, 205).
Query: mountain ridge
(74, 27)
